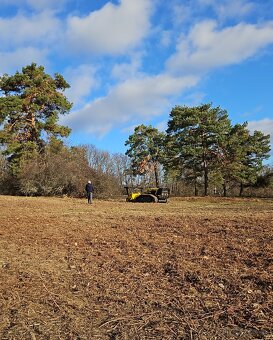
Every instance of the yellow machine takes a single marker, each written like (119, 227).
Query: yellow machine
(150, 195)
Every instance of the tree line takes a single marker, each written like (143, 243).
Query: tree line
(202, 150)
(200, 153)
(34, 159)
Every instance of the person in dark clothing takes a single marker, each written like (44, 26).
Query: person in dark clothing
(89, 191)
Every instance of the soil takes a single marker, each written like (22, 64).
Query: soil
(194, 268)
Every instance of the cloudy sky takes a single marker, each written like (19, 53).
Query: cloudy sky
(130, 61)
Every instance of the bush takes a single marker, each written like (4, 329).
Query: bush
(64, 173)
(55, 173)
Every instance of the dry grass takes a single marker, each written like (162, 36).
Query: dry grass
(189, 269)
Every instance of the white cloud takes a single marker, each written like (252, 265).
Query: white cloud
(207, 48)
(119, 28)
(21, 30)
(82, 80)
(14, 61)
(194, 99)
(166, 38)
(191, 12)
(265, 125)
(162, 126)
(132, 100)
(184, 13)
(123, 71)
(129, 129)
(42, 4)
(234, 8)
(39, 5)
(230, 8)
(113, 29)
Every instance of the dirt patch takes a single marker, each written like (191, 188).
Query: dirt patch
(189, 269)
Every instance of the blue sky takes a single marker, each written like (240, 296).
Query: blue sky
(130, 61)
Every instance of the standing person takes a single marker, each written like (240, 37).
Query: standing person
(89, 190)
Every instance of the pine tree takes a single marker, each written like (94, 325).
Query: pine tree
(30, 106)
(193, 138)
(145, 150)
(242, 155)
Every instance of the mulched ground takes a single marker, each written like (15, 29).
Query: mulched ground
(189, 269)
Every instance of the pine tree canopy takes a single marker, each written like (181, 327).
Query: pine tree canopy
(30, 106)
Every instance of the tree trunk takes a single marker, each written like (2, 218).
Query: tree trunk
(225, 189)
(241, 189)
(195, 187)
(156, 174)
(206, 178)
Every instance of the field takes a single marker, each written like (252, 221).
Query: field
(194, 268)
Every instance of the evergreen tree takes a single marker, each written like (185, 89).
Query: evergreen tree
(242, 156)
(193, 138)
(257, 150)
(232, 155)
(30, 106)
(146, 150)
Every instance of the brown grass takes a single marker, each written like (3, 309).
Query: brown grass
(189, 269)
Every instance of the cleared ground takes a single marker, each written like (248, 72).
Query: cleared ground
(189, 269)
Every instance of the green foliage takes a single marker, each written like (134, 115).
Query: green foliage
(265, 178)
(3, 170)
(30, 106)
(202, 145)
(242, 155)
(193, 138)
(146, 150)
